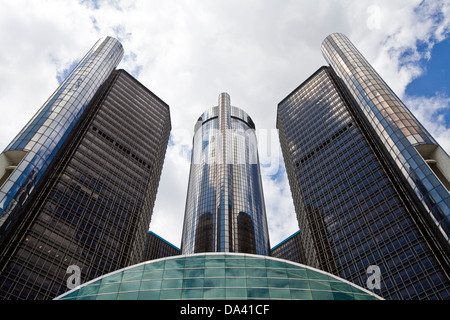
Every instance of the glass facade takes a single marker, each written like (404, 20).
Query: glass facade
(218, 276)
(93, 208)
(353, 209)
(225, 209)
(27, 157)
(290, 249)
(156, 247)
(418, 156)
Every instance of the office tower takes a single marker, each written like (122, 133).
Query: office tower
(369, 183)
(224, 175)
(157, 247)
(225, 209)
(290, 249)
(86, 197)
(27, 157)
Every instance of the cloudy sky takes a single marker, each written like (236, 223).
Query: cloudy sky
(189, 51)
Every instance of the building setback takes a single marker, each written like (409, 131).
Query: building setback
(369, 183)
(92, 207)
(225, 210)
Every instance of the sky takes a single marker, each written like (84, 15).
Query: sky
(187, 52)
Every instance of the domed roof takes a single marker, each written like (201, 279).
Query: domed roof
(218, 276)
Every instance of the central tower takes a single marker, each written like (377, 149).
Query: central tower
(225, 209)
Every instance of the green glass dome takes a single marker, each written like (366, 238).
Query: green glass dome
(218, 276)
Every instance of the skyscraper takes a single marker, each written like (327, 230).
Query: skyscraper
(27, 157)
(225, 209)
(82, 196)
(224, 175)
(369, 183)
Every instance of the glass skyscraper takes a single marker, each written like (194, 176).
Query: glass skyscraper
(83, 181)
(27, 157)
(225, 225)
(369, 183)
(225, 209)
(416, 154)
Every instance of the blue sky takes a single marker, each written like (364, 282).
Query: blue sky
(436, 76)
(188, 52)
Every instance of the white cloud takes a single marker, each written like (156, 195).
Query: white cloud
(392, 49)
(188, 52)
(38, 42)
(430, 112)
(167, 220)
(280, 212)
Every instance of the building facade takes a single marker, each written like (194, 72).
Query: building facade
(290, 249)
(92, 207)
(157, 247)
(225, 210)
(367, 180)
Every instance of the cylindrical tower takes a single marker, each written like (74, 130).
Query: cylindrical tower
(225, 210)
(423, 163)
(26, 158)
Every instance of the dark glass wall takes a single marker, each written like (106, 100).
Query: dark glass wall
(156, 247)
(352, 208)
(225, 209)
(290, 249)
(94, 205)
